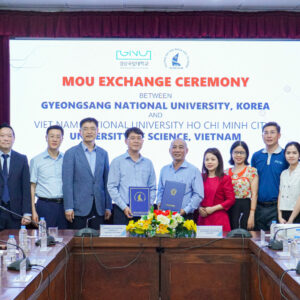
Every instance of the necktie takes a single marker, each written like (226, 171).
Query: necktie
(5, 194)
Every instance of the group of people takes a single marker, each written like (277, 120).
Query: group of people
(69, 189)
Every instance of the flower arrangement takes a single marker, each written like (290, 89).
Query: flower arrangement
(162, 223)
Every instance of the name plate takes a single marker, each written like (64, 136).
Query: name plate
(209, 232)
(112, 231)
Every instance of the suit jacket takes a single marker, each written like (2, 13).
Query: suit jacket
(80, 186)
(223, 195)
(18, 184)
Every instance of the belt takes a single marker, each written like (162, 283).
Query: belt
(268, 203)
(55, 200)
(5, 204)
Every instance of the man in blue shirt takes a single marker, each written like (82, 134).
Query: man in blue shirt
(269, 162)
(46, 181)
(130, 169)
(182, 171)
(84, 174)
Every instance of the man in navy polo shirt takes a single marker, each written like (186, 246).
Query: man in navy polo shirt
(269, 162)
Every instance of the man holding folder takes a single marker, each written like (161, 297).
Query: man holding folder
(127, 171)
(182, 172)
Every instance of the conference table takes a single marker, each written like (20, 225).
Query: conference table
(151, 268)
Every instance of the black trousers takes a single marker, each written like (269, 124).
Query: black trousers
(120, 218)
(264, 215)
(240, 206)
(287, 213)
(80, 222)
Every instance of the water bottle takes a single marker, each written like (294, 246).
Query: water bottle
(11, 249)
(272, 229)
(285, 245)
(295, 250)
(23, 238)
(43, 233)
(42, 227)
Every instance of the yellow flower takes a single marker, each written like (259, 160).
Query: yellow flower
(130, 226)
(190, 225)
(139, 231)
(162, 229)
(146, 224)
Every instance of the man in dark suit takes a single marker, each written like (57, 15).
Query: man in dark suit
(14, 182)
(84, 174)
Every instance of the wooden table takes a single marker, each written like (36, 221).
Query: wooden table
(156, 268)
(266, 270)
(38, 287)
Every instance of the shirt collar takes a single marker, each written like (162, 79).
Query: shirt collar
(47, 155)
(127, 156)
(9, 153)
(297, 168)
(183, 165)
(85, 148)
(277, 151)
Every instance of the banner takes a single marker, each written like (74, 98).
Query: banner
(210, 93)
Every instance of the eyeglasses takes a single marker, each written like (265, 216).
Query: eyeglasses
(242, 153)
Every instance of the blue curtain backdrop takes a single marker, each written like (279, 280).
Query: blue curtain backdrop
(276, 25)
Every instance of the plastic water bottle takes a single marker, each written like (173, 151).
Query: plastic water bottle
(42, 227)
(285, 245)
(272, 229)
(295, 250)
(43, 233)
(11, 249)
(23, 238)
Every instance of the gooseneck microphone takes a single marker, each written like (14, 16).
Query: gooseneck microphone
(278, 245)
(88, 220)
(50, 239)
(240, 218)
(15, 265)
(87, 231)
(239, 232)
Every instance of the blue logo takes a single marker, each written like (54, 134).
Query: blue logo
(133, 55)
(176, 59)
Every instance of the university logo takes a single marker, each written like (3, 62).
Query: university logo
(173, 192)
(140, 197)
(176, 59)
(133, 55)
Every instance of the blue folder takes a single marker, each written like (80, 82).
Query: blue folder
(139, 200)
(173, 195)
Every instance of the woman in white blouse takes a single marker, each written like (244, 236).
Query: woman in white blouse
(289, 191)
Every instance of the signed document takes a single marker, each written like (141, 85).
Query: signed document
(139, 198)
(173, 195)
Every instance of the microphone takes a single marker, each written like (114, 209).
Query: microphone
(88, 220)
(240, 218)
(278, 245)
(239, 232)
(50, 239)
(87, 231)
(15, 266)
